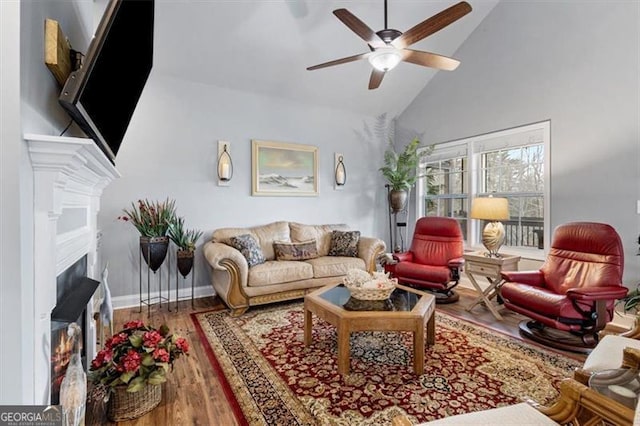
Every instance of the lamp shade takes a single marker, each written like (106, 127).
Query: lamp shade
(490, 208)
(385, 58)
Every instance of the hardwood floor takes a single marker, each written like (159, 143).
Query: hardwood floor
(193, 395)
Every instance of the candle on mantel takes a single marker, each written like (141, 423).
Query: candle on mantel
(225, 171)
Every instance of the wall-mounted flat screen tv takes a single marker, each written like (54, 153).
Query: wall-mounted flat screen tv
(102, 95)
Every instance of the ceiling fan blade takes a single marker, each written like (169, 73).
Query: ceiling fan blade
(428, 59)
(340, 61)
(375, 79)
(359, 27)
(432, 25)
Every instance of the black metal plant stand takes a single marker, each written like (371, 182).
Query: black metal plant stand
(398, 224)
(184, 277)
(148, 301)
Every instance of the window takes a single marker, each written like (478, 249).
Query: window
(447, 190)
(510, 163)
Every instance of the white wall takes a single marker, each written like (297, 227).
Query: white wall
(575, 63)
(39, 90)
(170, 150)
(29, 104)
(12, 390)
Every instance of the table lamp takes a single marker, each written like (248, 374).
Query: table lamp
(492, 209)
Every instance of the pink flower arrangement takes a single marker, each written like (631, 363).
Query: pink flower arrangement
(137, 355)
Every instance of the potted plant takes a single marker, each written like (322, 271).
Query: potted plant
(400, 170)
(132, 364)
(152, 220)
(632, 301)
(186, 240)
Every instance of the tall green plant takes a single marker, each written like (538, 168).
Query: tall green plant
(400, 169)
(631, 302)
(184, 238)
(151, 219)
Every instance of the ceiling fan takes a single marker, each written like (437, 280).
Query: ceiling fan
(389, 47)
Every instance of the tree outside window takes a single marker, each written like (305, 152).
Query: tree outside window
(507, 163)
(518, 175)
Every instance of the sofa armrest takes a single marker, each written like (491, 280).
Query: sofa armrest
(369, 249)
(229, 276)
(580, 402)
(217, 253)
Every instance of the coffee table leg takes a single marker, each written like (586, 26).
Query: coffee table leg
(308, 321)
(431, 329)
(418, 349)
(344, 349)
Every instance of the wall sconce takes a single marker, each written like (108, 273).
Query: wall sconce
(225, 165)
(493, 210)
(340, 172)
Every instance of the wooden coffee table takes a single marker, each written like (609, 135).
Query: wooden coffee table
(406, 310)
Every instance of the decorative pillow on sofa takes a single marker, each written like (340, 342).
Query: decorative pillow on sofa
(249, 247)
(302, 250)
(344, 243)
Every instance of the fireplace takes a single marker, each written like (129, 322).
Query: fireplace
(69, 175)
(74, 291)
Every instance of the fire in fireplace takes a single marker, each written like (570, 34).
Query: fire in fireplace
(74, 290)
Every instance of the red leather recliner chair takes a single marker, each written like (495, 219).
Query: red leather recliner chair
(572, 296)
(434, 259)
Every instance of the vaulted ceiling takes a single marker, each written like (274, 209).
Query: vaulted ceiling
(266, 46)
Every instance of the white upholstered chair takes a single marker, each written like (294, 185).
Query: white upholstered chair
(608, 353)
(520, 414)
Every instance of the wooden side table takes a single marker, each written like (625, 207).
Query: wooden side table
(477, 264)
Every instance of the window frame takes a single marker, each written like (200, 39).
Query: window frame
(488, 142)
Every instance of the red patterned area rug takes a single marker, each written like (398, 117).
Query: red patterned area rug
(270, 377)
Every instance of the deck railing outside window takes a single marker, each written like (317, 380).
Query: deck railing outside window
(526, 232)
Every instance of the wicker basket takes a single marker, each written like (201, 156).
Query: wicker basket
(378, 293)
(125, 405)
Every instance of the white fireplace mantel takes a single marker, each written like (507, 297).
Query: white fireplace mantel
(69, 175)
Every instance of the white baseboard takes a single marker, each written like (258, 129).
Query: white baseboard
(131, 300)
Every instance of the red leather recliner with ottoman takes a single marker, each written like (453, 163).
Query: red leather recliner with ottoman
(434, 259)
(572, 296)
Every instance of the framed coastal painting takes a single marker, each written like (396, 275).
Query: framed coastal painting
(283, 169)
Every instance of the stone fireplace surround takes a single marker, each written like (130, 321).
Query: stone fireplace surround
(69, 175)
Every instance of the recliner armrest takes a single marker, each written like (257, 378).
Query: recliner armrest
(534, 278)
(403, 257)
(456, 262)
(597, 293)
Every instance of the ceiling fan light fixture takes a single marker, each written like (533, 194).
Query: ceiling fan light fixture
(385, 58)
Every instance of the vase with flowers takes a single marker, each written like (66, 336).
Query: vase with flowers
(185, 239)
(152, 220)
(132, 365)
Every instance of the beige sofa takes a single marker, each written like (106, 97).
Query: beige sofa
(241, 286)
